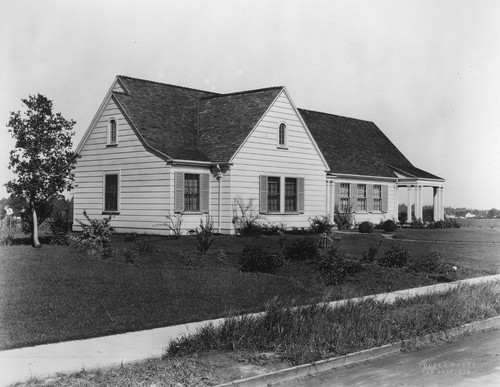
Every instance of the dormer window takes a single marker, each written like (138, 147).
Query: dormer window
(112, 132)
(282, 135)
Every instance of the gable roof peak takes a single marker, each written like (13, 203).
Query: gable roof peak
(244, 92)
(167, 84)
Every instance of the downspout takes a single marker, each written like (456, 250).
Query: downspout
(219, 204)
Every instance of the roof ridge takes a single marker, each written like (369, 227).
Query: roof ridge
(219, 95)
(335, 115)
(168, 84)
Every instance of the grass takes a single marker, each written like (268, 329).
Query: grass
(316, 332)
(53, 294)
(246, 346)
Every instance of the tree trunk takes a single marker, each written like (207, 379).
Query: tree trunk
(36, 242)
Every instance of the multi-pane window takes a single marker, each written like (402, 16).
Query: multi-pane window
(345, 194)
(361, 197)
(290, 194)
(273, 194)
(282, 135)
(377, 197)
(191, 192)
(111, 192)
(112, 132)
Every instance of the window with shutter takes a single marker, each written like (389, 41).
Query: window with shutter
(192, 192)
(273, 194)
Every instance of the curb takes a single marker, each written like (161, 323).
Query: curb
(361, 356)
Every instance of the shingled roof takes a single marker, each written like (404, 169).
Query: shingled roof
(357, 147)
(188, 124)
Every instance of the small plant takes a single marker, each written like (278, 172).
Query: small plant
(320, 224)
(301, 250)
(372, 252)
(221, 256)
(245, 219)
(390, 225)
(205, 236)
(395, 257)
(257, 259)
(6, 238)
(365, 227)
(335, 268)
(403, 217)
(95, 237)
(128, 255)
(344, 219)
(131, 237)
(144, 246)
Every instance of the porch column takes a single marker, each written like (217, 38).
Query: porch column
(441, 203)
(435, 203)
(332, 200)
(409, 204)
(327, 197)
(396, 204)
(418, 202)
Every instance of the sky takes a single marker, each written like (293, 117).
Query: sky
(426, 72)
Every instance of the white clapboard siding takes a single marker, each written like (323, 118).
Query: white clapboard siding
(260, 155)
(144, 198)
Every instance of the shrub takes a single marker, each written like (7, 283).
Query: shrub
(430, 262)
(320, 224)
(204, 236)
(6, 238)
(372, 252)
(343, 219)
(390, 225)
(395, 257)
(403, 217)
(300, 250)
(174, 224)
(128, 255)
(95, 237)
(60, 226)
(144, 246)
(257, 259)
(131, 237)
(335, 268)
(447, 223)
(417, 223)
(245, 219)
(365, 227)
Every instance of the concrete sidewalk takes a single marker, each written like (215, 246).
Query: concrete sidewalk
(18, 365)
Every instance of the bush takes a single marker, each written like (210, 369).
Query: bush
(95, 237)
(372, 252)
(390, 225)
(365, 227)
(403, 217)
(447, 223)
(320, 225)
(430, 262)
(417, 223)
(257, 259)
(300, 250)
(6, 238)
(395, 257)
(343, 219)
(60, 226)
(335, 268)
(205, 236)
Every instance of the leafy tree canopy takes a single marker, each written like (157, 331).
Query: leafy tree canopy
(42, 158)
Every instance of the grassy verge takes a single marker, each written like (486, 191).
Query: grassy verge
(318, 332)
(246, 346)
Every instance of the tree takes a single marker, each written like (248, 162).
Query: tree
(42, 158)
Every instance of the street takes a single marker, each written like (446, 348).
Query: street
(467, 361)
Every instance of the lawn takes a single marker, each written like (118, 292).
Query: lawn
(54, 294)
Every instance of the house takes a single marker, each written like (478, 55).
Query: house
(154, 149)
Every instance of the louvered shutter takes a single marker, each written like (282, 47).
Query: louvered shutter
(385, 198)
(205, 192)
(300, 194)
(354, 197)
(369, 197)
(179, 192)
(263, 195)
(337, 197)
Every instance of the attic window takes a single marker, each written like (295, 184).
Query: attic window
(282, 135)
(112, 135)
